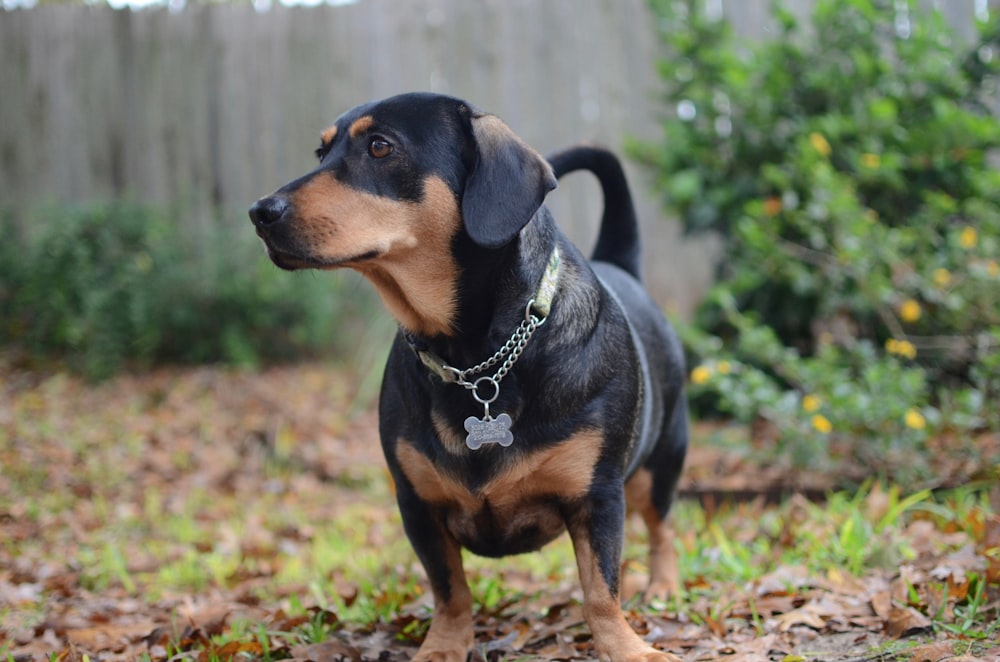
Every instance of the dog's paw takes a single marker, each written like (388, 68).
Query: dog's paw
(658, 592)
(645, 654)
(633, 649)
(655, 656)
(449, 647)
(441, 655)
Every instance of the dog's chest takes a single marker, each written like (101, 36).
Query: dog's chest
(500, 525)
(517, 510)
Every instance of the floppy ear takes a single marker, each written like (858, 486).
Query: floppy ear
(506, 186)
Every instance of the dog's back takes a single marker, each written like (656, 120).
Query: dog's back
(616, 262)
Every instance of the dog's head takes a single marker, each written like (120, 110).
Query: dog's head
(398, 181)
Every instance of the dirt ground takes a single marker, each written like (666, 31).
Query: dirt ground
(79, 463)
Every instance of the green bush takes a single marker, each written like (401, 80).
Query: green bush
(114, 286)
(847, 165)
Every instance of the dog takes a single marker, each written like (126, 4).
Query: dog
(528, 391)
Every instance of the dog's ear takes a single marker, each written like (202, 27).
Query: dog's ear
(506, 185)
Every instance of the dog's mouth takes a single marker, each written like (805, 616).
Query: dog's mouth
(291, 261)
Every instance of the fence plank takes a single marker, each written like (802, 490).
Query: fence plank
(203, 110)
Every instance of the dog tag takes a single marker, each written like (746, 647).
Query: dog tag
(488, 430)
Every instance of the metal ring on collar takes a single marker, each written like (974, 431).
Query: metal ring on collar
(475, 390)
(531, 318)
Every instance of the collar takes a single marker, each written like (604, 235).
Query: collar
(536, 311)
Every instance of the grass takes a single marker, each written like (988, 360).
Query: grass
(176, 503)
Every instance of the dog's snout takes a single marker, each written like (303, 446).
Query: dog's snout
(268, 210)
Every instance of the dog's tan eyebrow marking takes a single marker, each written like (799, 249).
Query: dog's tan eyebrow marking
(360, 125)
(328, 135)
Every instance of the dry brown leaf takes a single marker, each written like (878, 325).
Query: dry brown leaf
(905, 621)
(881, 603)
(113, 637)
(933, 652)
(230, 650)
(844, 583)
(805, 615)
(215, 431)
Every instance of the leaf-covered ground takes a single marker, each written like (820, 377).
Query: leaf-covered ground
(209, 514)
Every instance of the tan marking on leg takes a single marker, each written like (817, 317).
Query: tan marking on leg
(328, 135)
(614, 638)
(450, 636)
(360, 125)
(664, 577)
(403, 248)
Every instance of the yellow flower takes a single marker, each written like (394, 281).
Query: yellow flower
(811, 402)
(942, 277)
(822, 424)
(871, 160)
(819, 143)
(914, 420)
(723, 367)
(993, 269)
(901, 347)
(910, 311)
(969, 237)
(701, 375)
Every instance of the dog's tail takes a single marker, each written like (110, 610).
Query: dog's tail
(618, 240)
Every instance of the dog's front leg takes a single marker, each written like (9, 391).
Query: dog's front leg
(596, 527)
(450, 636)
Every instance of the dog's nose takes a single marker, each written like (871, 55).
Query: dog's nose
(268, 210)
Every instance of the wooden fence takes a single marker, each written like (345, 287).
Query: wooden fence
(203, 110)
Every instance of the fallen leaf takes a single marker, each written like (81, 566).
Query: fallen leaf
(230, 650)
(881, 603)
(805, 615)
(107, 637)
(904, 621)
(933, 652)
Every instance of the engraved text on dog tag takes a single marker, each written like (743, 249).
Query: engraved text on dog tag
(488, 430)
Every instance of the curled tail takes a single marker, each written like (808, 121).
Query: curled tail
(618, 240)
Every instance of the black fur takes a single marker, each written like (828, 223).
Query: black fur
(581, 374)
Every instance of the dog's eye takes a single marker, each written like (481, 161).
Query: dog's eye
(379, 147)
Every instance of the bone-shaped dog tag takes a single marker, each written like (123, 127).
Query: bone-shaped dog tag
(488, 430)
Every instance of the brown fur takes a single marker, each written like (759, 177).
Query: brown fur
(328, 135)
(411, 269)
(360, 125)
(563, 470)
(614, 639)
(451, 635)
(523, 497)
(664, 576)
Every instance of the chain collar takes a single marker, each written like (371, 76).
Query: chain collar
(535, 314)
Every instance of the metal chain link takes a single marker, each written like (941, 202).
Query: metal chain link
(511, 349)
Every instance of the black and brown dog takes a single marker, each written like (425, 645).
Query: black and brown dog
(528, 390)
